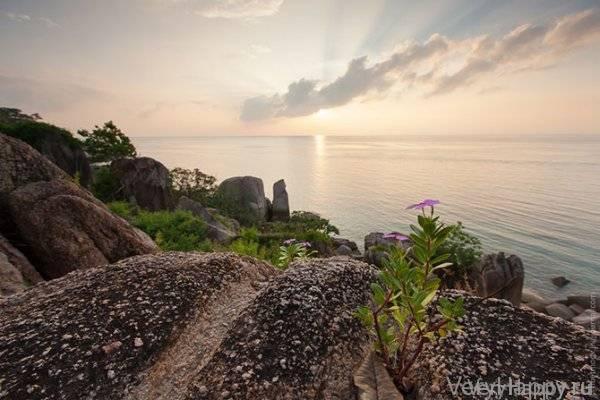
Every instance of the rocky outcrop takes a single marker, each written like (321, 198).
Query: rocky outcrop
(66, 228)
(16, 272)
(143, 181)
(67, 155)
(20, 164)
(297, 340)
(245, 195)
(281, 204)
(504, 343)
(137, 328)
(577, 308)
(501, 277)
(187, 325)
(345, 247)
(216, 230)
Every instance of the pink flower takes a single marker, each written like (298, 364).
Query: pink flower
(423, 204)
(396, 236)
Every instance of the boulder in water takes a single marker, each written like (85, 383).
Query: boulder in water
(281, 204)
(501, 277)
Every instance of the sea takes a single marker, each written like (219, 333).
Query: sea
(534, 196)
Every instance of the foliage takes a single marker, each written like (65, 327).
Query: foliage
(464, 249)
(35, 133)
(171, 230)
(194, 184)
(293, 250)
(398, 319)
(105, 185)
(106, 143)
(247, 244)
(313, 221)
(12, 115)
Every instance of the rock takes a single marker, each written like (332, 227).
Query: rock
(246, 196)
(11, 280)
(16, 272)
(66, 228)
(337, 242)
(589, 319)
(144, 181)
(377, 239)
(343, 250)
(72, 331)
(281, 205)
(215, 229)
(298, 334)
(529, 295)
(210, 325)
(21, 164)
(560, 281)
(585, 301)
(376, 255)
(560, 310)
(576, 308)
(538, 306)
(500, 276)
(500, 341)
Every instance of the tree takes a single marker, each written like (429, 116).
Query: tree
(107, 143)
(12, 115)
(194, 184)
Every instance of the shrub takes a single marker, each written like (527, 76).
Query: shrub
(194, 184)
(105, 185)
(293, 250)
(106, 143)
(171, 230)
(464, 249)
(398, 319)
(247, 244)
(35, 133)
(312, 221)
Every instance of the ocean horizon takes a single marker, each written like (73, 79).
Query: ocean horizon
(532, 196)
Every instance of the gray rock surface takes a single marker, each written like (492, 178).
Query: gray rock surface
(16, 272)
(585, 301)
(66, 228)
(11, 280)
(560, 281)
(281, 204)
(337, 242)
(500, 276)
(144, 181)
(119, 331)
(246, 196)
(504, 342)
(215, 229)
(343, 250)
(559, 310)
(188, 325)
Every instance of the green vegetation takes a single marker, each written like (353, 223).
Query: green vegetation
(105, 185)
(194, 184)
(293, 250)
(464, 249)
(171, 230)
(107, 143)
(10, 116)
(398, 319)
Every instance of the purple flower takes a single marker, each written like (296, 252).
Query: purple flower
(396, 236)
(423, 204)
(305, 244)
(289, 242)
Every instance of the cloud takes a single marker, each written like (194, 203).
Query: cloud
(237, 8)
(439, 65)
(26, 18)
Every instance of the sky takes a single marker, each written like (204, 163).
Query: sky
(305, 67)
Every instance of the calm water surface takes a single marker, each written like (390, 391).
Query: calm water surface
(534, 197)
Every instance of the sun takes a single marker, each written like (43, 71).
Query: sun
(323, 113)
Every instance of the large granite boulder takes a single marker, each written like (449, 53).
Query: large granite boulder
(245, 196)
(504, 343)
(216, 230)
(144, 181)
(281, 204)
(66, 228)
(21, 164)
(501, 277)
(16, 272)
(187, 325)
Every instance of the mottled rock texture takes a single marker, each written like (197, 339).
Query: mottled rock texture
(66, 228)
(504, 342)
(297, 340)
(281, 203)
(144, 181)
(16, 272)
(108, 332)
